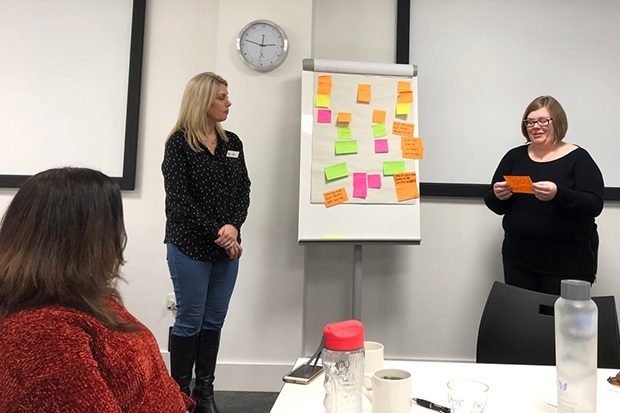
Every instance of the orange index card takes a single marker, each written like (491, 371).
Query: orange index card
(363, 93)
(378, 116)
(405, 97)
(406, 186)
(404, 86)
(412, 147)
(335, 197)
(344, 117)
(519, 184)
(402, 128)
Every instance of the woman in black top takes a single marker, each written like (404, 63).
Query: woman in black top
(207, 199)
(550, 234)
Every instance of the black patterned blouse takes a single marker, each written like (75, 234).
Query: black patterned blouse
(204, 192)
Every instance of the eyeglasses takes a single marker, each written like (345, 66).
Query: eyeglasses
(542, 122)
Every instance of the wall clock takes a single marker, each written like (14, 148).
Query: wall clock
(262, 45)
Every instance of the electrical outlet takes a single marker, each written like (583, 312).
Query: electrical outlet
(171, 302)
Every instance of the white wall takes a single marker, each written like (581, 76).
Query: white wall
(421, 301)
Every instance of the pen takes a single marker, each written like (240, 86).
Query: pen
(432, 406)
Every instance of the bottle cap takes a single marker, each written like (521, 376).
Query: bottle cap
(344, 335)
(575, 290)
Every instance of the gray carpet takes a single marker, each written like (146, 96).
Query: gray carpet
(244, 401)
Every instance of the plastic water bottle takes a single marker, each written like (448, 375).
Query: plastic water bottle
(343, 362)
(576, 339)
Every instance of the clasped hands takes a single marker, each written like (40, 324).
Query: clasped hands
(543, 190)
(227, 239)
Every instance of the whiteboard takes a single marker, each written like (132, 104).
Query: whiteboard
(481, 62)
(356, 223)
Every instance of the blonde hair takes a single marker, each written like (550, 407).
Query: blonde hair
(199, 94)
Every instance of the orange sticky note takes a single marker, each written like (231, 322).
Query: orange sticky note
(343, 117)
(405, 97)
(404, 86)
(519, 184)
(363, 93)
(402, 128)
(325, 80)
(406, 186)
(378, 116)
(412, 147)
(335, 197)
(324, 89)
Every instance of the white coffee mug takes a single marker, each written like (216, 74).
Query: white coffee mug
(389, 390)
(373, 359)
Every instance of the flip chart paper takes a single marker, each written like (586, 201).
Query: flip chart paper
(339, 170)
(346, 147)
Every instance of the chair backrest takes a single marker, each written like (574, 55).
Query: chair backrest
(517, 327)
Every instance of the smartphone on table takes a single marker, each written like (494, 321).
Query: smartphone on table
(303, 374)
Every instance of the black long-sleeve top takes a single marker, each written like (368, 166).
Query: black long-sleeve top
(557, 236)
(204, 192)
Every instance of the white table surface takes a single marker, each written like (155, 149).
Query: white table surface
(512, 387)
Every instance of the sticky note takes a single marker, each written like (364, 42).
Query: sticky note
(378, 130)
(405, 97)
(363, 93)
(393, 167)
(343, 117)
(404, 86)
(403, 109)
(335, 197)
(374, 181)
(406, 186)
(381, 145)
(346, 147)
(336, 171)
(325, 80)
(324, 89)
(324, 116)
(321, 101)
(360, 190)
(344, 132)
(402, 128)
(519, 184)
(378, 116)
(412, 147)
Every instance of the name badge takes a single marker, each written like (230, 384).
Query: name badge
(232, 154)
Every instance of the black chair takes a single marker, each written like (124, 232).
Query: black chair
(517, 327)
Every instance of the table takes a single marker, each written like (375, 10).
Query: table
(512, 387)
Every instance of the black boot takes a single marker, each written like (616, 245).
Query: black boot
(183, 352)
(208, 345)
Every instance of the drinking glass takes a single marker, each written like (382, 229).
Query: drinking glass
(467, 396)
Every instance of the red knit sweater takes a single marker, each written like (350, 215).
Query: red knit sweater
(56, 359)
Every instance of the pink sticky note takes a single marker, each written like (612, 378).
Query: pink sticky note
(374, 181)
(360, 189)
(381, 145)
(324, 116)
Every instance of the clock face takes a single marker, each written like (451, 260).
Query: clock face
(262, 45)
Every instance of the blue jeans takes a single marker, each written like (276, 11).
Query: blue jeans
(203, 290)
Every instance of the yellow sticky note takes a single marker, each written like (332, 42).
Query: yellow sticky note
(335, 197)
(363, 93)
(403, 109)
(378, 116)
(322, 101)
(406, 186)
(404, 86)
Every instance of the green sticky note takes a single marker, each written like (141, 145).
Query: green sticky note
(344, 132)
(346, 147)
(378, 130)
(393, 167)
(336, 171)
(322, 101)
